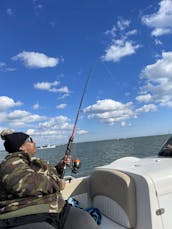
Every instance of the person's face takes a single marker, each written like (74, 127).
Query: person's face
(29, 146)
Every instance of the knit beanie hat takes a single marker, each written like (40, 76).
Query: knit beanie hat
(13, 141)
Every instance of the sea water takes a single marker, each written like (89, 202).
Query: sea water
(97, 153)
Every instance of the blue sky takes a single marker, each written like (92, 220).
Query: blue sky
(47, 49)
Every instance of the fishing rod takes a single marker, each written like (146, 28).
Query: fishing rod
(76, 163)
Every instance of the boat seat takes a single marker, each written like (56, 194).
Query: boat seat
(117, 202)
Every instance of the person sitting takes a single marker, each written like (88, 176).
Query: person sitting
(166, 150)
(30, 189)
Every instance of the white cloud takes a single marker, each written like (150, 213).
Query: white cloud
(63, 96)
(6, 103)
(158, 42)
(22, 118)
(123, 24)
(147, 108)
(44, 137)
(64, 89)
(158, 80)
(61, 106)
(44, 129)
(123, 123)
(5, 68)
(112, 31)
(52, 87)
(47, 86)
(81, 132)
(121, 45)
(36, 59)
(144, 98)
(3, 117)
(110, 111)
(15, 118)
(45, 133)
(119, 49)
(120, 26)
(56, 123)
(51, 130)
(160, 21)
(36, 106)
(131, 32)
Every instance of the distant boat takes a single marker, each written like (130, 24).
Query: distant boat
(49, 146)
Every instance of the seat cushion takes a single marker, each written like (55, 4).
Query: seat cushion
(113, 193)
(109, 224)
(112, 210)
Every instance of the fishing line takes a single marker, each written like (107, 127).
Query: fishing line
(108, 71)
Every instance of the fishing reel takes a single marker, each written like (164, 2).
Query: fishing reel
(76, 164)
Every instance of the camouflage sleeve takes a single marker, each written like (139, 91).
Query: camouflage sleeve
(57, 177)
(50, 171)
(20, 179)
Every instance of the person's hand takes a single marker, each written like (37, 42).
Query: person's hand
(66, 160)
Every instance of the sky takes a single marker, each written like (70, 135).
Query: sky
(47, 49)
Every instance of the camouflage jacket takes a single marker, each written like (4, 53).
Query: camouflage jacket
(28, 185)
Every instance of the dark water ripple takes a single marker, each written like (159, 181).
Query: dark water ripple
(100, 153)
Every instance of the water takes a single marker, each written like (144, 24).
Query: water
(99, 153)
